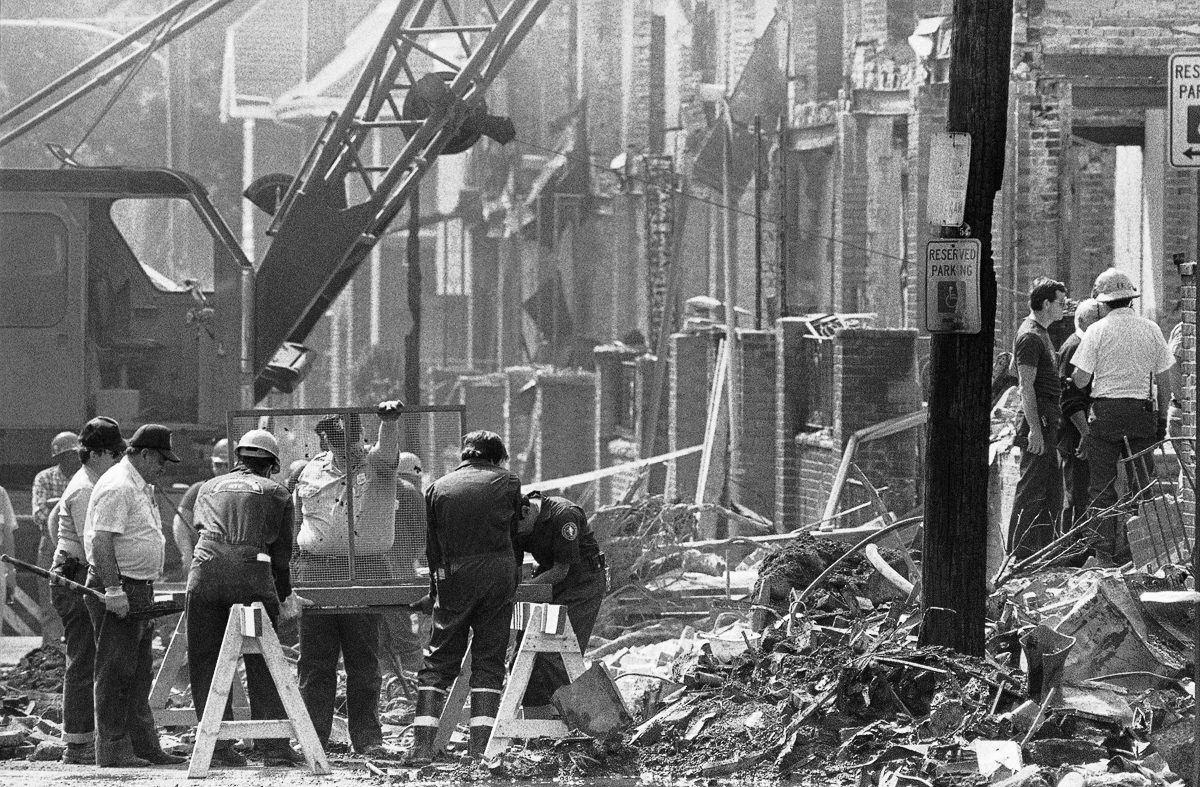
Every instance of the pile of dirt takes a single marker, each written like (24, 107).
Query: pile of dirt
(39, 670)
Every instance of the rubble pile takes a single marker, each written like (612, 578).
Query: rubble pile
(837, 694)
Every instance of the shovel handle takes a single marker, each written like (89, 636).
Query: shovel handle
(55, 579)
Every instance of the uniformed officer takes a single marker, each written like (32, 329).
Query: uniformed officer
(1122, 357)
(244, 519)
(472, 517)
(555, 531)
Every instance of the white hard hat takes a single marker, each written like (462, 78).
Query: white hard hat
(1114, 285)
(63, 442)
(258, 442)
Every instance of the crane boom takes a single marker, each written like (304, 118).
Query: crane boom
(320, 240)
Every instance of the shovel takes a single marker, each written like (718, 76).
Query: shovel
(592, 703)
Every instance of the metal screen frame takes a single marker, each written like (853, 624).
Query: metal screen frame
(334, 596)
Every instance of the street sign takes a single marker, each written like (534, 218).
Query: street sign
(952, 286)
(1183, 109)
(949, 165)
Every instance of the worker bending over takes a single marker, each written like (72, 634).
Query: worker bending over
(555, 532)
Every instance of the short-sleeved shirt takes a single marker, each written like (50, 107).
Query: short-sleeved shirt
(321, 491)
(1033, 348)
(123, 504)
(1123, 352)
(71, 513)
(47, 485)
(471, 510)
(561, 535)
(8, 517)
(241, 507)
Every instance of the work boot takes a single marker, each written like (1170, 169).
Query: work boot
(80, 754)
(485, 704)
(119, 754)
(430, 701)
(280, 754)
(227, 756)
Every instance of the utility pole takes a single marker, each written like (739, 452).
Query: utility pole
(412, 342)
(954, 573)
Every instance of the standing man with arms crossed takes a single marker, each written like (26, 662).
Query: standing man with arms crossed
(48, 488)
(102, 447)
(324, 544)
(1121, 357)
(245, 544)
(472, 515)
(1037, 505)
(555, 531)
(124, 543)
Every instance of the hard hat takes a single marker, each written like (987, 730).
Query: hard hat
(1114, 285)
(259, 442)
(1087, 312)
(409, 463)
(63, 442)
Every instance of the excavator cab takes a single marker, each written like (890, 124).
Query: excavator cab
(120, 295)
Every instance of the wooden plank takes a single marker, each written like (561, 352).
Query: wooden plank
(173, 660)
(19, 627)
(209, 729)
(454, 710)
(257, 728)
(529, 728)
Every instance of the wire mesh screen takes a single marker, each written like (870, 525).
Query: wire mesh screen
(338, 467)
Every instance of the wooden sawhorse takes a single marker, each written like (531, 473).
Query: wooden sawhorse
(250, 631)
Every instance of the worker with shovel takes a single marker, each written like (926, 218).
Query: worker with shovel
(124, 542)
(101, 446)
(244, 519)
(555, 531)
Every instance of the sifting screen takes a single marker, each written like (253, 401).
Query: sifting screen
(386, 546)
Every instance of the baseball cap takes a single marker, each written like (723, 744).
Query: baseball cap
(63, 442)
(156, 437)
(102, 433)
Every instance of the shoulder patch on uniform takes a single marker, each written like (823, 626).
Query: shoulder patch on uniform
(570, 530)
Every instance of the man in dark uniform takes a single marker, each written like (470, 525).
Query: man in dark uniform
(245, 543)
(555, 531)
(472, 516)
(1037, 504)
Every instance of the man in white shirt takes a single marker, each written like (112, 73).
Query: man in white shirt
(124, 542)
(1122, 357)
(323, 548)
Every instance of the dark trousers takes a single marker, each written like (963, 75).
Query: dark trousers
(355, 637)
(79, 723)
(1075, 477)
(220, 577)
(123, 676)
(1113, 423)
(1037, 505)
(477, 598)
(49, 621)
(582, 596)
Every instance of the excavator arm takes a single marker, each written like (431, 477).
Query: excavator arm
(318, 239)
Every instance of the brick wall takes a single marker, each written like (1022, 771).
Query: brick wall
(850, 218)
(875, 378)
(754, 477)
(929, 116)
(1187, 293)
(609, 399)
(690, 377)
(789, 420)
(566, 407)
(644, 382)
